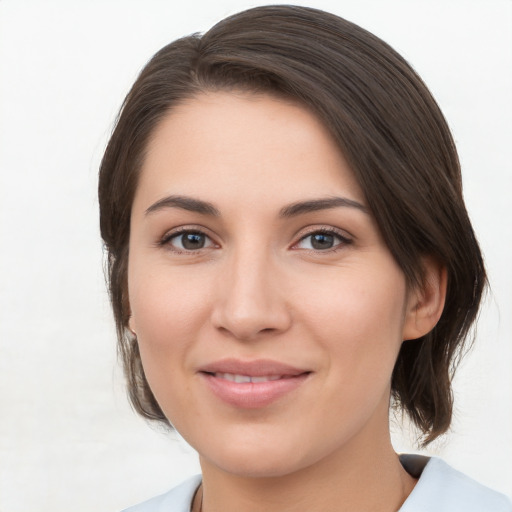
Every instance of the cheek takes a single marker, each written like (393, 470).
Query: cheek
(163, 303)
(359, 327)
(168, 314)
(359, 320)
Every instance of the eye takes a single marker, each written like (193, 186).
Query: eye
(188, 241)
(322, 240)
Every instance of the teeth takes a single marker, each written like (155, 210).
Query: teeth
(265, 379)
(242, 379)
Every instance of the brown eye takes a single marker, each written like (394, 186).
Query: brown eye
(193, 241)
(322, 241)
(189, 241)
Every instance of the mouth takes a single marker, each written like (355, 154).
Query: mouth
(252, 384)
(244, 379)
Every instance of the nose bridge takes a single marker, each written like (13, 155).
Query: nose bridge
(249, 299)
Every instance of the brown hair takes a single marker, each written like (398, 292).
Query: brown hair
(387, 125)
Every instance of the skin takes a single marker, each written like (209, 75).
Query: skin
(258, 288)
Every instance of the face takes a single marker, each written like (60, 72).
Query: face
(268, 310)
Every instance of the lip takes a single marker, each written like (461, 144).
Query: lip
(252, 395)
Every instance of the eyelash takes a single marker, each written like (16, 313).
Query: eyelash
(168, 237)
(343, 240)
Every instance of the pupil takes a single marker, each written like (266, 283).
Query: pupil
(322, 241)
(193, 241)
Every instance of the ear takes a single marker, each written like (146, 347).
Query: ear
(131, 325)
(425, 302)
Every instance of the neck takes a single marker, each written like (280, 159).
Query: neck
(364, 478)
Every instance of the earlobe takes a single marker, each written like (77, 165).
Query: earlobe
(131, 326)
(425, 303)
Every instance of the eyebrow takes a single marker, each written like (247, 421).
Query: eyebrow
(292, 210)
(185, 203)
(315, 205)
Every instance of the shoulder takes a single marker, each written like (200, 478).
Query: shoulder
(441, 488)
(178, 499)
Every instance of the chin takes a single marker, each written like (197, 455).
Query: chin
(260, 458)
(258, 465)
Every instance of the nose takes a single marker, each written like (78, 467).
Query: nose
(250, 299)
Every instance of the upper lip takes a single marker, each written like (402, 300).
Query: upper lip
(252, 368)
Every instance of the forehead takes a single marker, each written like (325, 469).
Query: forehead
(224, 145)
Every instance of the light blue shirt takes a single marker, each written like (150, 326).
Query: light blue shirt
(440, 488)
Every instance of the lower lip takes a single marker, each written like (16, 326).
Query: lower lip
(252, 395)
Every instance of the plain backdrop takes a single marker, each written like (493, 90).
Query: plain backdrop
(68, 438)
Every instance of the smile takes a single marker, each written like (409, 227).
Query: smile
(251, 384)
(241, 379)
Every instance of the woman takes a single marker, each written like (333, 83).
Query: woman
(289, 250)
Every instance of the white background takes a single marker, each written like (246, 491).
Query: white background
(68, 439)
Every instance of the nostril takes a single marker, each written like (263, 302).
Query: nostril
(245, 316)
